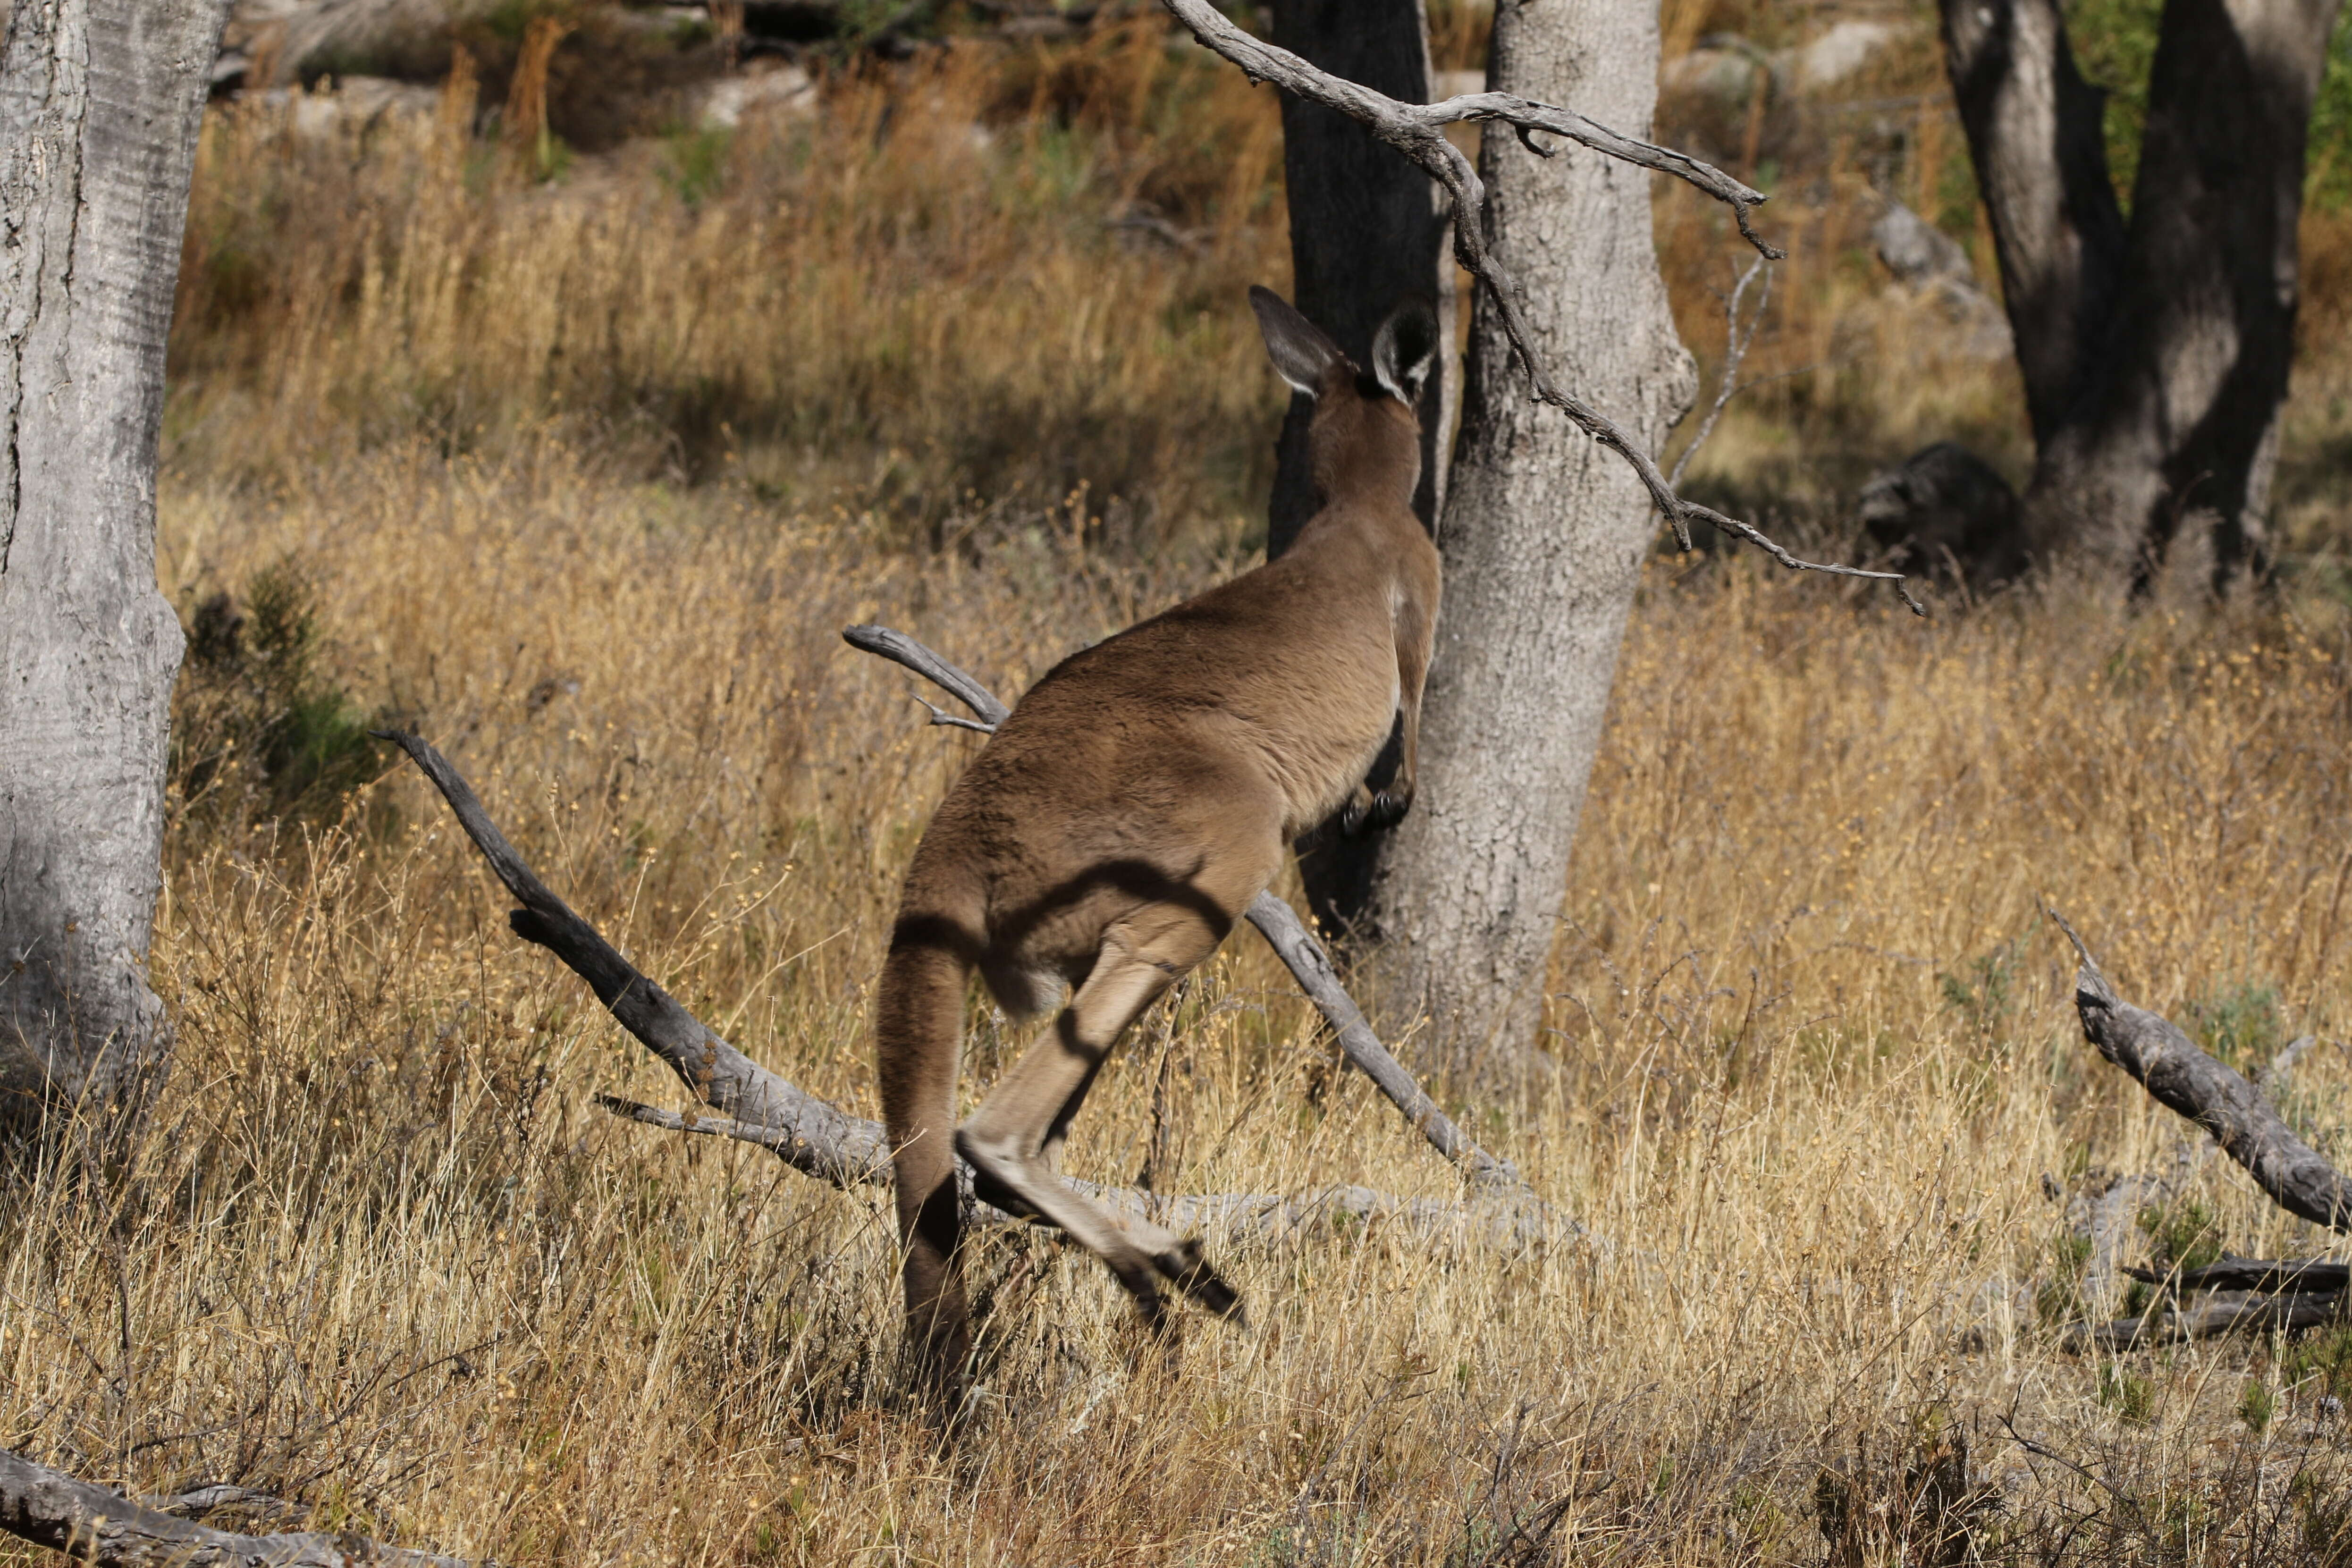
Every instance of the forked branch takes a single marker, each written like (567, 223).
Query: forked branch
(1417, 131)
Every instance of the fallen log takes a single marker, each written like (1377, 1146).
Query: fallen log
(90, 1524)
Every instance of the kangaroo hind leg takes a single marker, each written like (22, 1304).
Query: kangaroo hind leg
(1007, 1140)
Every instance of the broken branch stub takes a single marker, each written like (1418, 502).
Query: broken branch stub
(1275, 920)
(90, 1524)
(1417, 131)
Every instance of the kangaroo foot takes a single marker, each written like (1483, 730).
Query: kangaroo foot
(1186, 1266)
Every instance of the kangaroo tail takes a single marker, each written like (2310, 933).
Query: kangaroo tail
(917, 1037)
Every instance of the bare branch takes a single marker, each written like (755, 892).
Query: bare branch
(90, 1524)
(1417, 131)
(756, 1106)
(1735, 349)
(805, 1132)
(2170, 1067)
(1275, 920)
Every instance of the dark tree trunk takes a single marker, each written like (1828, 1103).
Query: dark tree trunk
(2034, 134)
(99, 105)
(1367, 230)
(2155, 354)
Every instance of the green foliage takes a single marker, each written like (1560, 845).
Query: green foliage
(2240, 1025)
(694, 162)
(2181, 1235)
(2257, 1404)
(1984, 993)
(2115, 46)
(257, 731)
(2126, 1393)
(2325, 1358)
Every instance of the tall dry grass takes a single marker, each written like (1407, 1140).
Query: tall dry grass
(1809, 1076)
(993, 276)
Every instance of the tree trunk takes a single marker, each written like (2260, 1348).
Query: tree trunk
(99, 105)
(1543, 538)
(1367, 230)
(2035, 136)
(2156, 355)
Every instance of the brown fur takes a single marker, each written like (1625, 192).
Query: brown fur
(1126, 813)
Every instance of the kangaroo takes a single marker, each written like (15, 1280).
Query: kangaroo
(1140, 796)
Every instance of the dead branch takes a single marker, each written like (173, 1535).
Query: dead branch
(1735, 350)
(2219, 1312)
(2236, 1292)
(1275, 920)
(90, 1524)
(805, 1132)
(813, 1136)
(1418, 131)
(2240, 1118)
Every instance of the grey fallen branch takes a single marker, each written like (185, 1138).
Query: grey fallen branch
(819, 1138)
(2236, 1292)
(1275, 920)
(90, 1524)
(1417, 131)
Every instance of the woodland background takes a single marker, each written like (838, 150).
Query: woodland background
(550, 412)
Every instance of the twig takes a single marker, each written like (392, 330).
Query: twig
(90, 1524)
(1418, 131)
(1275, 920)
(1735, 349)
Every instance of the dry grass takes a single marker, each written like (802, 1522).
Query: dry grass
(1810, 1057)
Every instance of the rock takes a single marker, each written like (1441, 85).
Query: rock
(1724, 76)
(1946, 513)
(358, 103)
(776, 88)
(1840, 53)
(1916, 250)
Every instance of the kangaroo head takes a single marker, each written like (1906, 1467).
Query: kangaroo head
(1365, 441)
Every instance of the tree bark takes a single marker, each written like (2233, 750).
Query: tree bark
(1367, 229)
(1543, 537)
(99, 105)
(2155, 353)
(2035, 136)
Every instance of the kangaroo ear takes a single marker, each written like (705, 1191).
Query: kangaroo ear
(1404, 349)
(1299, 349)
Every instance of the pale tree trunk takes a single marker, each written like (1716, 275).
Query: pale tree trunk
(1543, 537)
(1368, 231)
(2156, 353)
(99, 106)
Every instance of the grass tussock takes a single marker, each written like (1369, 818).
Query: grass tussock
(584, 476)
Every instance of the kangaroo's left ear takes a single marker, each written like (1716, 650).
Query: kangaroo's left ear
(1405, 351)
